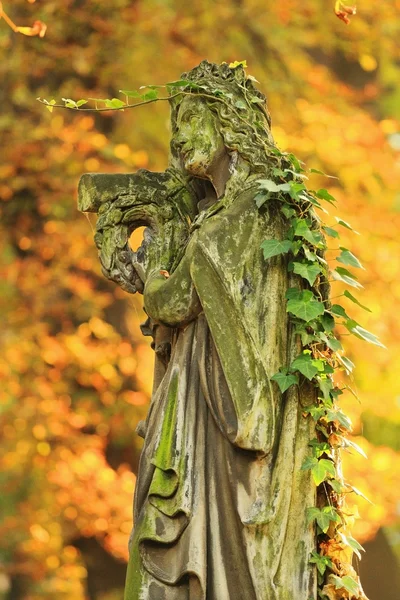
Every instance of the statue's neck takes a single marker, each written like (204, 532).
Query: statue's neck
(225, 180)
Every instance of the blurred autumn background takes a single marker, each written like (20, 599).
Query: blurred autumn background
(76, 372)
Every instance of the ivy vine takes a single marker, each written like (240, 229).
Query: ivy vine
(314, 319)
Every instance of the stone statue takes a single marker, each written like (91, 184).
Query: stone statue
(220, 502)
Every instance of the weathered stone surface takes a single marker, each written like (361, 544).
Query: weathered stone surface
(220, 498)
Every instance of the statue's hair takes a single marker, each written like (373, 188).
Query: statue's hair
(241, 109)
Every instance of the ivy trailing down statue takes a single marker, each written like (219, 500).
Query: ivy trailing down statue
(240, 493)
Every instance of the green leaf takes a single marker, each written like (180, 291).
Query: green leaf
(150, 95)
(339, 275)
(309, 463)
(347, 258)
(69, 103)
(357, 448)
(131, 93)
(293, 294)
(49, 105)
(347, 363)
(339, 311)
(261, 198)
(295, 162)
(180, 83)
(307, 365)
(325, 385)
(333, 344)
(359, 493)
(270, 186)
(81, 102)
(336, 486)
(345, 224)
(115, 103)
(319, 448)
(346, 582)
(332, 232)
(354, 545)
(323, 194)
(327, 322)
(285, 379)
(340, 417)
(306, 307)
(302, 230)
(353, 299)
(321, 562)
(322, 469)
(307, 271)
(287, 211)
(366, 335)
(322, 173)
(295, 187)
(275, 247)
(323, 516)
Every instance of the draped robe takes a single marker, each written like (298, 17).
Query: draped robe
(220, 502)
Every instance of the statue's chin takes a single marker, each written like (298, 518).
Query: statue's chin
(197, 167)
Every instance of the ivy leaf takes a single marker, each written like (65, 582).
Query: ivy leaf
(353, 299)
(323, 194)
(319, 448)
(325, 385)
(49, 104)
(275, 247)
(321, 562)
(347, 363)
(180, 83)
(309, 463)
(271, 186)
(69, 103)
(293, 294)
(340, 274)
(336, 486)
(366, 335)
(302, 230)
(328, 322)
(81, 102)
(356, 447)
(334, 344)
(150, 95)
(307, 366)
(306, 307)
(340, 417)
(285, 379)
(346, 582)
(322, 469)
(347, 258)
(318, 172)
(288, 211)
(331, 232)
(348, 540)
(307, 271)
(322, 516)
(345, 224)
(115, 103)
(256, 100)
(131, 93)
(339, 311)
(359, 493)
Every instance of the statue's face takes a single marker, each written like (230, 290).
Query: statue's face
(200, 143)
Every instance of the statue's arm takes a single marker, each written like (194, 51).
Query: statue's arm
(172, 301)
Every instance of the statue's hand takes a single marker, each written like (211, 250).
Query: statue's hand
(161, 201)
